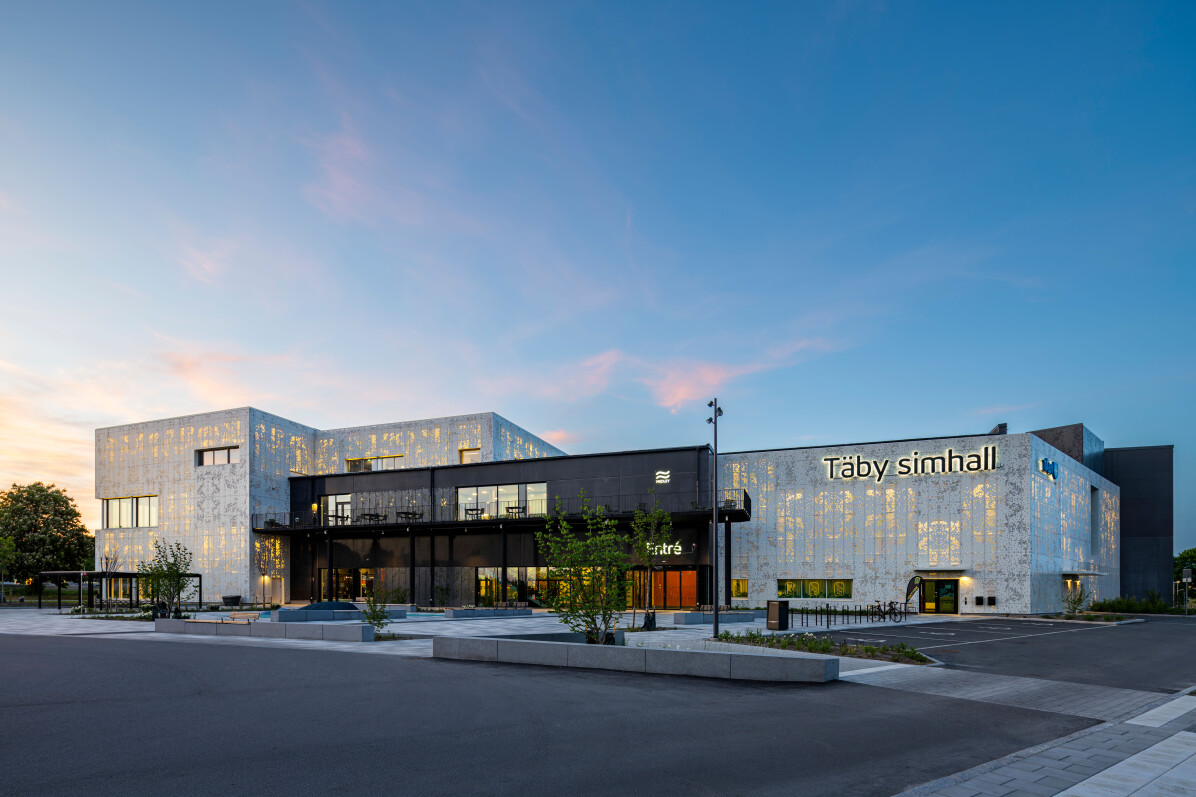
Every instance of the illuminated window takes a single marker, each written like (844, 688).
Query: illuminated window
(129, 513)
(470, 455)
(739, 588)
(510, 501)
(365, 464)
(816, 588)
(218, 456)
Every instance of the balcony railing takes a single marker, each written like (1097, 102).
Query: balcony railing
(734, 505)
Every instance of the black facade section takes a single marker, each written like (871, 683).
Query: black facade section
(1147, 481)
(412, 528)
(1078, 442)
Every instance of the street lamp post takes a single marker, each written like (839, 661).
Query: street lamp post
(715, 412)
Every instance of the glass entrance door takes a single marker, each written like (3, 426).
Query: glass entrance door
(940, 596)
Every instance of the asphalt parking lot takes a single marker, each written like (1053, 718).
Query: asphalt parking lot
(136, 717)
(1154, 656)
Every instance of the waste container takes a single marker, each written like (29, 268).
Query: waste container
(778, 615)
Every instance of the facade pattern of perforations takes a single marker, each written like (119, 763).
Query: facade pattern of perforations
(209, 508)
(975, 526)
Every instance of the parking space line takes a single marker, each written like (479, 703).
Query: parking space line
(1021, 636)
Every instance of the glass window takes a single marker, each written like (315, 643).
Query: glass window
(839, 588)
(739, 588)
(789, 588)
(126, 513)
(488, 501)
(469, 455)
(218, 456)
(234, 456)
(467, 498)
(153, 510)
(208, 458)
(508, 501)
(814, 588)
(537, 499)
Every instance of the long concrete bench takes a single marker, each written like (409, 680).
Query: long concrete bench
(341, 632)
(747, 666)
(327, 615)
(460, 614)
(706, 618)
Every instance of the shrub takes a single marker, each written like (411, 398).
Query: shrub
(1152, 604)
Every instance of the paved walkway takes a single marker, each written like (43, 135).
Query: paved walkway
(1151, 754)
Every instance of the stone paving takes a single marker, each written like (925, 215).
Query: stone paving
(1112, 759)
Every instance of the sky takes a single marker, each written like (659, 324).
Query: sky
(850, 221)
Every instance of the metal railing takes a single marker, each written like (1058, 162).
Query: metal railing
(828, 615)
(734, 505)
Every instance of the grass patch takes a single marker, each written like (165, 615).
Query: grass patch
(811, 643)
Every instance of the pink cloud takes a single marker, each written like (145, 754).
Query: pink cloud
(675, 383)
(560, 437)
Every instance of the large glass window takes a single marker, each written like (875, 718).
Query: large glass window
(337, 510)
(365, 464)
(229, 455)
(739, 588)
(511, 501)
(816, 588)
(129, 513)
(537, 499)
(470, 455)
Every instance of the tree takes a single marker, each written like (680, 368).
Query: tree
(650, 532)
(590, 568)
(45, 527)
(375, 612)
(167, 574)
(1185, 559)
(108, 564)
(8, 552)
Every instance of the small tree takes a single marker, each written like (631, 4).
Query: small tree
(1076, 599)
(650, 531)
(590, 568)
(109, 564)
(8, 552)
(167, 574)
(375, 612)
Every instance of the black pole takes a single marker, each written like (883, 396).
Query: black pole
(715, 412)
(328, 564)
(432, 569)
(727, 561)
(60, 593)
(411, 567)
(39, 590)
(504, 561)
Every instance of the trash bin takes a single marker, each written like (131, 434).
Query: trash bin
(778, 615)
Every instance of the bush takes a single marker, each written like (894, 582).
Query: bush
(1152, 604)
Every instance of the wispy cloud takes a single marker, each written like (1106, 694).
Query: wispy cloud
(560, 437)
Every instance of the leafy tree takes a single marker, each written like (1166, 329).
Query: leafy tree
(166, 574)
(8, 552)
(46, 529)
(1185, 559)
(650, 531)
(590, 567)
(375, 612)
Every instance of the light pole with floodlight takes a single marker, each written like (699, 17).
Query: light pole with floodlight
(715, 413)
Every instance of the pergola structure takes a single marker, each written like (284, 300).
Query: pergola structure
(101, 576)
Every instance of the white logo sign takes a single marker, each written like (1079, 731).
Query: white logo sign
(662, 476)
(666, 549)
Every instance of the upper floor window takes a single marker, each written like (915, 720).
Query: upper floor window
(129, 513)
(365, 464)
(469, 455)
(218, 456)
(511, 501)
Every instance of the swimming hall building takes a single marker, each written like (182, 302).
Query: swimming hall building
(446, 510)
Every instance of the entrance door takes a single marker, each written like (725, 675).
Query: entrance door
(276, 590)
(940, 596)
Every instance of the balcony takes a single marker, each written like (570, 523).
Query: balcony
(365, 515)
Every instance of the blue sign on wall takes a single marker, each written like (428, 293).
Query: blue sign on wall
(1049, 468)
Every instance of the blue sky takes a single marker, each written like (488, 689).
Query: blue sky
(850, 221)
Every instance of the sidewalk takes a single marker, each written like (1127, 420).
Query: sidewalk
(1152, 754)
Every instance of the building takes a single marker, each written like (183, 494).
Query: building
(446, 510)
